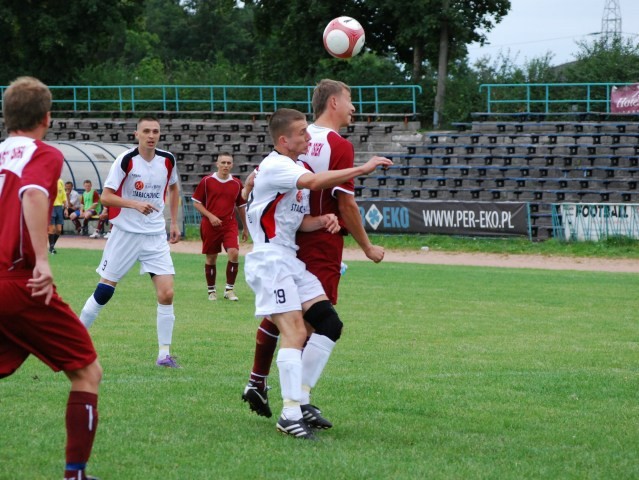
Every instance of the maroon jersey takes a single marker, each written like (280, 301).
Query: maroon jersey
(24, 163)
(328, 150)
(220, 197)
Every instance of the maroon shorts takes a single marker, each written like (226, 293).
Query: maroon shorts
(322, 254)
(213, 238)
(53, 333)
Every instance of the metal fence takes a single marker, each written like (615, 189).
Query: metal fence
(368, 99)
(548, 97)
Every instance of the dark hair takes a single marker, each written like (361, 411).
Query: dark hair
(324, 90)
(147, 118)
(25, 104)
(280, 122)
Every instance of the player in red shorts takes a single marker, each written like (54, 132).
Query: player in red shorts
(320, 251)
(217, 198)
(34, 320)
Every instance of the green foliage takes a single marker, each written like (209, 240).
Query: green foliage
(615, 60)
(454, 372)
(52, 39)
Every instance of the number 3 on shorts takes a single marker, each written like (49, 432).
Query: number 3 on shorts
(280, 296)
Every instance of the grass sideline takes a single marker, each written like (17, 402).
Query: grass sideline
(443, 372)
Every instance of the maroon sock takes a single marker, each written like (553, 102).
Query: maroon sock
(210, 271)
(81, 421)
(231, 272)
(265, 344)
(76, 222)
(100, 225)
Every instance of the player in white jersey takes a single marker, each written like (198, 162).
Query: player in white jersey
(135, 192)
(284, 290)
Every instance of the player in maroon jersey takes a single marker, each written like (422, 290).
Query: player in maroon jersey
(320, 251)
(34, 320)
(217, 198)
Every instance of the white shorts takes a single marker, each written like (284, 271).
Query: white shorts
(279, 280)
(123, 249)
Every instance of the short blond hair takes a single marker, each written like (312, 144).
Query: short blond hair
(324, 90)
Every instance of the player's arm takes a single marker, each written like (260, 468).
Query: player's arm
(110, 199)
(215, 221)
(174, 203)
(332, 178)
(327, 222)
(248, 185)
(352, 219)
(35, 205)
(96, 200)
(242, 212)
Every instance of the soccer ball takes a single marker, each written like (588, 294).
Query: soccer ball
(343, 37)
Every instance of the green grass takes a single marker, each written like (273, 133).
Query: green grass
(442, 373)
(616, 247)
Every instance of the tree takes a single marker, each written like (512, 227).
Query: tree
(52, 40)
(436, 31)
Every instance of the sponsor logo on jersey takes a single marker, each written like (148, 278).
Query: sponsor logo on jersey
(139, 185)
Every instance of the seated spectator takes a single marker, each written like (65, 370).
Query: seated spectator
(91, 205)
(73, 206)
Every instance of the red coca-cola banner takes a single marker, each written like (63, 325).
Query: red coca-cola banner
(625, 99)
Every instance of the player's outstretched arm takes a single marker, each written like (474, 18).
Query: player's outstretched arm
(332, 178)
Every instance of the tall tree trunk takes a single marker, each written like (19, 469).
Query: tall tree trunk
(418, 56)
(442, 68)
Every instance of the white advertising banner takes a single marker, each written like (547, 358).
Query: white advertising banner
(597, 221)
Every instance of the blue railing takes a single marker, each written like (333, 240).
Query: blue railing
(548, 97)
(368, 99)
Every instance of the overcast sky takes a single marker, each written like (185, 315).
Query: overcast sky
(533, 27)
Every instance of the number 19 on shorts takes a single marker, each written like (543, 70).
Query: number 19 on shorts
(280, 296)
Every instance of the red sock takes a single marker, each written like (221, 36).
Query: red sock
(265, 344)
(231, 273)
(210, 271)
(81, 421)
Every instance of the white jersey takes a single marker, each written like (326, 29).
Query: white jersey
(75, 200)
(276, 207)
(133, 178)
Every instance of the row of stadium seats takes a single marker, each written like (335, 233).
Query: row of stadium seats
(543, 127)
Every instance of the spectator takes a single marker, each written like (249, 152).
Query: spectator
(57, 217)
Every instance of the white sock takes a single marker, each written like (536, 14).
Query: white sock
(90, 311)
(314, 358)
(165, 321)
(289, 363)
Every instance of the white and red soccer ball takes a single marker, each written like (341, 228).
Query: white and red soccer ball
(344, 37)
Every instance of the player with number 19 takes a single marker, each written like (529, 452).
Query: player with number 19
(284, 289)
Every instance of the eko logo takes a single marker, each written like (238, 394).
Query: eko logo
(139, 185)
(397, 218)
(374, 217)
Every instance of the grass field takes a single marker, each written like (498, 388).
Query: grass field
(442, 373)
